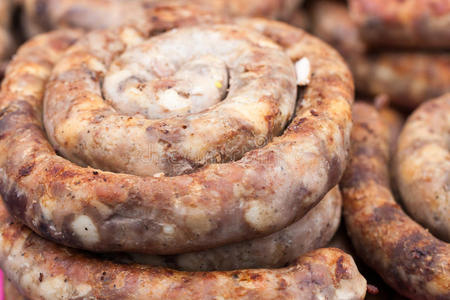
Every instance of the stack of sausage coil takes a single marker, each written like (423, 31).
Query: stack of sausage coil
(201, 158)
(396, 48)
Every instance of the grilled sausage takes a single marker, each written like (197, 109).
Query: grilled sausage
(408, 257)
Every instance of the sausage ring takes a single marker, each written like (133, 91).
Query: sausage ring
(44, 15)
(207, 206)
(408, 257)
(422, 165)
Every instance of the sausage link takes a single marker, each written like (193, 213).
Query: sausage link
(407, 77)
(408, 24)
(408, 257)
(422, 166)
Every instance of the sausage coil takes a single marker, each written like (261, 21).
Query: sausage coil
(156, 187)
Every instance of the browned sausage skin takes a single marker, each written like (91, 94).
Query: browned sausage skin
(406, 23)
(263, 192)
(408, 257)
(44, 270)
(422, 165)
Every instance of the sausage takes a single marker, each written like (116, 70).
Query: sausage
(311, 232)
(404, 254)
(45, 15)
(142, 131)
(263, 192)
(407, 77)
(407, 24)
(330, 20)
(44, 270)
(422, 166)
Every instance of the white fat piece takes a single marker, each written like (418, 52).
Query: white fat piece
(303, 71)
(86, 230)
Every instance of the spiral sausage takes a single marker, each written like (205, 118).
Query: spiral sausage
(408, 257)
(44, 15)
(408, 78)
(261, 193)
(408, 23)
(422, 165)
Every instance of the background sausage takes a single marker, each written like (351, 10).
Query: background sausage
(407, 256)
(408, 78)
(422, 165)
(409, 23)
